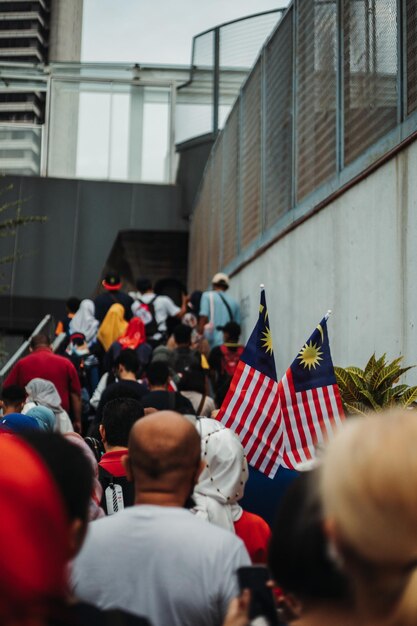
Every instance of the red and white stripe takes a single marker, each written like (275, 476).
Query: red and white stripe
(252, 409)
(310, 418)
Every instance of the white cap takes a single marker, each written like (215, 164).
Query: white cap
(220, 278)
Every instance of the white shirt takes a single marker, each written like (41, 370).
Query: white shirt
(162, 563)
(163, 306)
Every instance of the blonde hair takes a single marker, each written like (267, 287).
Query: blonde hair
(369, 492)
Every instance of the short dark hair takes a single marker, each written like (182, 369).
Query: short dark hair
(69, 467)
(143, 284)
(298, 557)
(73, 304)
(13, 394)
(119, 415)
(193, 380)
(182, 333)
(129, 359)
(158, 373)
(41, 339)
(233, 330)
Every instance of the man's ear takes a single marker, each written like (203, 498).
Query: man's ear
(128, 467)
(77, 533)
(102, 432)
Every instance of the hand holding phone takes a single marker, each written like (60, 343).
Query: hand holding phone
(262, 602)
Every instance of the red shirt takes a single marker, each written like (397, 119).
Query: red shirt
(112, 462)
(43, 363)
(255, 534)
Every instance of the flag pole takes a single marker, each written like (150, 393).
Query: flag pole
(262, 286)
(328, 314)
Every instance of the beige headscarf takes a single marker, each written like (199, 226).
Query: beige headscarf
(112, 327)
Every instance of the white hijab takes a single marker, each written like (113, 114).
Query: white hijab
(222, 481)
(45, 393)
(84, 321)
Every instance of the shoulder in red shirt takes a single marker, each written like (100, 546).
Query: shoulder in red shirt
(255, 534)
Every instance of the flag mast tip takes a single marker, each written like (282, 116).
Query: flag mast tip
(262, 286)
(329, 312)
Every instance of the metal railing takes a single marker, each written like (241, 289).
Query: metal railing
(333, 89)
(44, 324)
(221, 60)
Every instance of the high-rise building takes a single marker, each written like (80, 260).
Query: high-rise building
(38, 32)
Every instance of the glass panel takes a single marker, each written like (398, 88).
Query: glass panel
(155, 143)
(118, 131)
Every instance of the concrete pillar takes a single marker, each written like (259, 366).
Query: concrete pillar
(64, 46)
(65, 30)
(136, 134)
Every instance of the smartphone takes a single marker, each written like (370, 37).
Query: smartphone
(262, 601)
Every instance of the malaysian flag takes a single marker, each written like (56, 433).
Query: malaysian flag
(310, 400)
(252, 406)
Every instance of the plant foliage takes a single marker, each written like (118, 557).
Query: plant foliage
(374, 388)
(10, 218)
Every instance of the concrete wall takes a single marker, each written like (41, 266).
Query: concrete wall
(66, 255)
(358, 257)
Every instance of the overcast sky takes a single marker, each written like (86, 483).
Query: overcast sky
(156, 31)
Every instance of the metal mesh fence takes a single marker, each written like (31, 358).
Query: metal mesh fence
(205, 102)
(241, 41)
(230, 186)
(370, 72)
(325, 89)
(411, 56)
(194, 109)
(250, 151)
(216, 197)
(278, 111)
(316, 59)
(199, 248)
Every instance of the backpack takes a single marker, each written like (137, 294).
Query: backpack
(230, 359)
(185, 360)
(146, 312)
(118, 492)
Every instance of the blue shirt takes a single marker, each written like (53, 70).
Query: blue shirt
(221, 314)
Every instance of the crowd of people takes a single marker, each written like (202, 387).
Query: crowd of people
(123, 498)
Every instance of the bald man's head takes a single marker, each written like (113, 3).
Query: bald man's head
(164, 453)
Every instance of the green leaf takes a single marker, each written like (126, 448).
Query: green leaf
(370, 366)
(368, 395)
(360, 383)
(356, 370)
(388, 375)
(381, 362)
(388, 397)
(342, 377)
(398, 390)
(409, 397)
(355, 408)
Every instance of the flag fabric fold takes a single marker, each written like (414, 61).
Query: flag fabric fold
(310, 400)
(252, 406)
